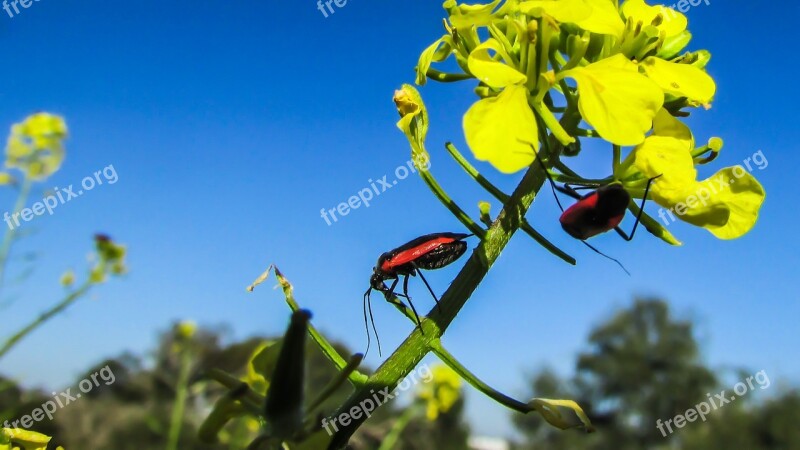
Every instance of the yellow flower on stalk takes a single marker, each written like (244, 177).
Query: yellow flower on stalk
(16, 438)
(618, 101)
(466, 16)
(442, 392)
(726, 204)
(667, 20)
(681, 80)
(501, 129)
(596, 16)
(35, 145)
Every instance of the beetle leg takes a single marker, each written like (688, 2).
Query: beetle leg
(405, 291)
(430, 290)
(638, 216)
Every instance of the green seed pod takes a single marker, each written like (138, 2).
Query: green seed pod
(284, 405)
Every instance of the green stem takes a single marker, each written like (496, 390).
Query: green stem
(462, 216)
(356, 378)
(336, 383)
(247, 396)
(587, 133)
(503, 197)
(10, 234)
(617, 159)
(418, 343)
(469, 377)
(444, 77)
(44, 317)
(552, 123)
(390, 441)
(178, 408)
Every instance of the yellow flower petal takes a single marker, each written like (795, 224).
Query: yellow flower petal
(672, 22)
(681, 80)
(502, 130)
(466, 16)
(491, 72)
(665, 124)
(438, 51)
(442, 392)
(605, 18)
(669, 159)
(561, 10)
(617, 100)
(726, 204)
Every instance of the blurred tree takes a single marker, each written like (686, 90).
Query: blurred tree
(641, 365)
(771, 425)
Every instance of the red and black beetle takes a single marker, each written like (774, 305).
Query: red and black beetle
(597, 212)
(429, 252)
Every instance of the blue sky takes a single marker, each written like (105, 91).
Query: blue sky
(230, 125)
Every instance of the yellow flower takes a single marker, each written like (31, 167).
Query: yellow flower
(671, 22)
(413, 117)
(680, 80)
(465, 16)
(597, 16)
(186, 329)
(501, 129)
(442, 392)
(16, 438)
(617, 100)
(35, 146)
(726, 204)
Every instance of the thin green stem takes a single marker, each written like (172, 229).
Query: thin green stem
(418, 343)
(391, 439)
(179, 406)
(503, 197)
(335, 384)
(462, 216)
(44, 317)
(10, 234)
(552, 123)
(617, 159)
(586, 133)
(444, 77)
(469, 377)
(356, 378)
(246, 395)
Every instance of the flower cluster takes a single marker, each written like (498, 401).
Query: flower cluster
(20, 439)
(442, 393)
(35, 146)
(551, 72)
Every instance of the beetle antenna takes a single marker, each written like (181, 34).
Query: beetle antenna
(605, 256)
(368, 304)
(550, 179)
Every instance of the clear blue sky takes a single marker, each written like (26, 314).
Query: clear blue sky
(231, 124)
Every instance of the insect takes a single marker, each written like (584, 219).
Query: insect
(429, 252)
(597, 212)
